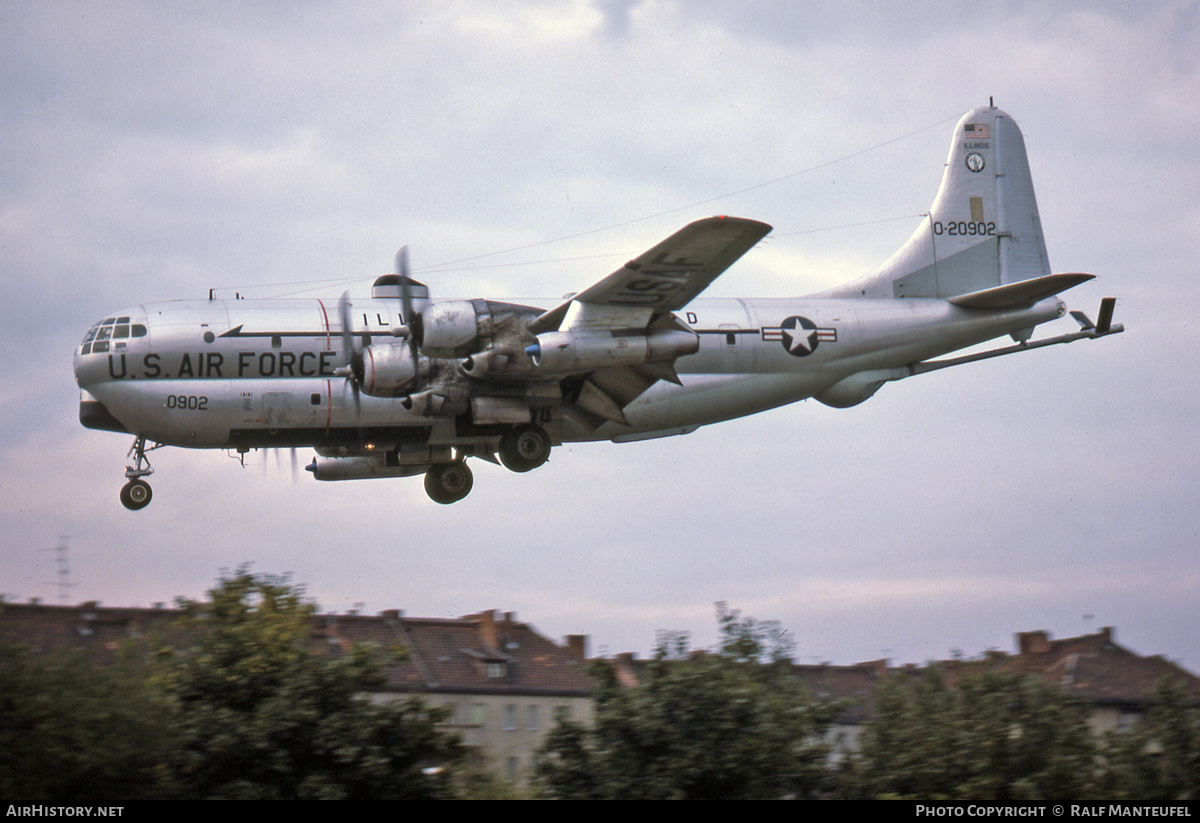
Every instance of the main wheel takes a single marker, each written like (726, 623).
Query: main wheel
(524, 447)
(448, 482)
(136, 495)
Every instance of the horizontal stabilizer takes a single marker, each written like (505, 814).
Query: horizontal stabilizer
(1021, 294)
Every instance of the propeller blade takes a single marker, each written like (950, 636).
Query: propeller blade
(347, 338)
(349, 350)
(406, 304)
(405, 287)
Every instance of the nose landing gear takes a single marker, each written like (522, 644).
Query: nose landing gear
(136, 494)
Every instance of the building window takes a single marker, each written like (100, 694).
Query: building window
(495, 670)
(510, 718)
(533, 718)
(478, 716)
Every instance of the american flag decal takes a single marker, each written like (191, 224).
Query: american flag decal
(980, 131)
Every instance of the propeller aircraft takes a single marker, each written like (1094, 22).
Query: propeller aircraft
(400, 384)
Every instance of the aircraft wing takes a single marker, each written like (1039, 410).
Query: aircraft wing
(663, 279)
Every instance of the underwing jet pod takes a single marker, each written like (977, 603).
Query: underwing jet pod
(400, 384)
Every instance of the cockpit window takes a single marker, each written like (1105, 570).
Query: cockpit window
(110, 328)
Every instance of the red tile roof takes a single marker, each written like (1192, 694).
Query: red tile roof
(479, 654)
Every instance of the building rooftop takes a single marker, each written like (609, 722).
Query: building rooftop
(1095, 669)
(478, 653)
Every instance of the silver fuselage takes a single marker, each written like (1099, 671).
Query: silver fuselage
(261, 373)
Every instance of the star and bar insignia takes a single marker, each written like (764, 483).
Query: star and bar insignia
(799, 335)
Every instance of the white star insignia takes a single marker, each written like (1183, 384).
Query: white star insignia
(800, 338)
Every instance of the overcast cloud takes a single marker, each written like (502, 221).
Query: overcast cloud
(154, 151)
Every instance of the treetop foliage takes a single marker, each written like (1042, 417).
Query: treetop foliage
(263, 715)
(236, 703)
(697, 725)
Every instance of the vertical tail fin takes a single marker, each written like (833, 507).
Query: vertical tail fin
(983, 228)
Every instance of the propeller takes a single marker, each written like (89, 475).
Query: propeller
(279, 460)
(411, 319)
(352, 370)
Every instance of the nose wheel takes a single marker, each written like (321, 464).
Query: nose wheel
(136, 494)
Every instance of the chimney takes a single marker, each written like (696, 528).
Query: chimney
(877, 666)
(626, 670)
(1107, 633)
(577, 646)
(1033, 642)
(487, 629)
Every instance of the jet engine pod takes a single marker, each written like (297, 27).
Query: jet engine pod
(573, 351)
(386, 369)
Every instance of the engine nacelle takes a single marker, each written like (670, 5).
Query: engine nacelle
(386, 369)
(492, 360)
(565, 351)
(452, 328)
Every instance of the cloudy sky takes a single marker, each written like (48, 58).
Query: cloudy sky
(154, 151)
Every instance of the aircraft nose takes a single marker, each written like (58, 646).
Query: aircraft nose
(111, 335)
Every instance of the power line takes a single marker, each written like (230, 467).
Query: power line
(445, 266)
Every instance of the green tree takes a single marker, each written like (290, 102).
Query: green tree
(991, 736)
(1158, 759)
(701, 725)
(748, 640)
(72, 732)
(263, 713)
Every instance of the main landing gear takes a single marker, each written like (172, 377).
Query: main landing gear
(136, 494)
(522, 448)
(448, 482)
